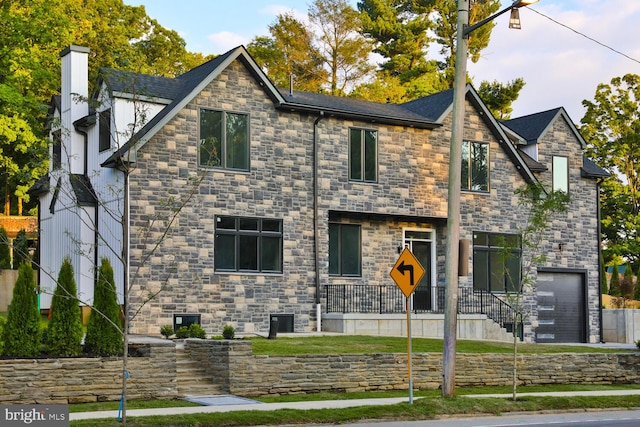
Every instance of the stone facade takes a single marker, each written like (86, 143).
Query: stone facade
(411, 192)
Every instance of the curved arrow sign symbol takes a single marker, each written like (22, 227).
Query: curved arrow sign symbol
(402, 268)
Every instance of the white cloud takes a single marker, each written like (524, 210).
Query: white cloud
(225, 40)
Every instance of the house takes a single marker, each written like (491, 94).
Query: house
(239, 203)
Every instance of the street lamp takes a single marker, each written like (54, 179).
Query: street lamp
(455, 163)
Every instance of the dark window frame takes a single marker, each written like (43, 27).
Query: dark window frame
(491, 262)
(56, 158)
(104, 130)
(469, 173)
(340, 265)
(248, 236)
(363, 164)
(227, 158)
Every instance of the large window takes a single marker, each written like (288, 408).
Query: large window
(248, 244)
(344, 250)
(496, 262)
(475, 166)
(560, 174)
(363, 155)
(224, 140)
(104, 129)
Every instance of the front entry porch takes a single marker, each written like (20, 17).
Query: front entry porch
(380, 310)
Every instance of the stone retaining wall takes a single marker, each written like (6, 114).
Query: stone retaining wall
(242, 373)
(152, 373)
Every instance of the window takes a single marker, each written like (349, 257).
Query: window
(363, 155)
(496, 262)
(560, 174)
(56, 161)
(344, 250)
(104, 126)
(248, 244)
(475, 166)
(224, 140)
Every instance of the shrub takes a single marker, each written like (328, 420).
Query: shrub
(20, 249)
(614, 285)
(22, 332)
(638, 344)
(166, 331)
(5, 255)
(182, 332)
(3, 321)
(104, 330)
(64, 337)
(228, 332)
(196, 331)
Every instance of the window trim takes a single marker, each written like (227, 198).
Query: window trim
(340, 272)
(104, 143)
(468, 186)
(259, 233)
(56, 156)
(363, 156)
(555, 176)
(223, 143)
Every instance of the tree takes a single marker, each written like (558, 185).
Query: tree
(499, 97)
(626, 285)
(64, 333)
(20, 249)
(22, 333)
(104, 330)
(344, 51)
(614, 282)
(540, 206)
(636, 289)
(290, 53)
(5, 253)
(445, 27)
(611, 126)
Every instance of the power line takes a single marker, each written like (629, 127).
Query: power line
(584, 35)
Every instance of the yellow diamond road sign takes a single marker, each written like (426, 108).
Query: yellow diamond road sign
(407, 272)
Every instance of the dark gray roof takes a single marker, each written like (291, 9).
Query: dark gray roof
(432, 106)
(141, 84)
(591, 170)
(354, 108)
(532, 164)
(533, 126)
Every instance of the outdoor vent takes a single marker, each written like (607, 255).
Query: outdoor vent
(180, 320)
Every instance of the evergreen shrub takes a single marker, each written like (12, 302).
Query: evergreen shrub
(64, 335)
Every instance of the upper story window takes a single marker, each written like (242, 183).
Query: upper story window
(104, 126)
(248, 244)
(496, 262)
(560, 174)
(475, 166)
(56, 160)
(224, 140)
(363, 155)
(345, 253)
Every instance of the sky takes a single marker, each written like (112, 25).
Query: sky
(560, 67)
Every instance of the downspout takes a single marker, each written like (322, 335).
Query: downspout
(316, 242)
(600, 259)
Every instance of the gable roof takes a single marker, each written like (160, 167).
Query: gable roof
(128, 84)
(534, 127)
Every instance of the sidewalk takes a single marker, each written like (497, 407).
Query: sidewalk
(232, 403)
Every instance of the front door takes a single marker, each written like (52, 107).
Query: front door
(420, 244)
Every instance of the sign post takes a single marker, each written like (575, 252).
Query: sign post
(407, 273)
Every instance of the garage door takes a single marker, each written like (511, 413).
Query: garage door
(561, 307)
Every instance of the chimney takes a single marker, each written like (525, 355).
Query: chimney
(75, 92)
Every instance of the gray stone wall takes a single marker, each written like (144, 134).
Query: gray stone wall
(246, 374)
(411, 192)
(75, 380)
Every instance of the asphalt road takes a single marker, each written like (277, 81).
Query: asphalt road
(574, 419)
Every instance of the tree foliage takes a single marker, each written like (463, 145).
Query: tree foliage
(64, 333)
(498, 97)
(614, 283)
(20, 249)
(104, 330)
(611, 127)
(344, 51)
(22, 332)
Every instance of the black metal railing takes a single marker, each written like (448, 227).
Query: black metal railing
(389, 299)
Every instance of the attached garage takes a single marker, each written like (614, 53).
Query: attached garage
(561, 306)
